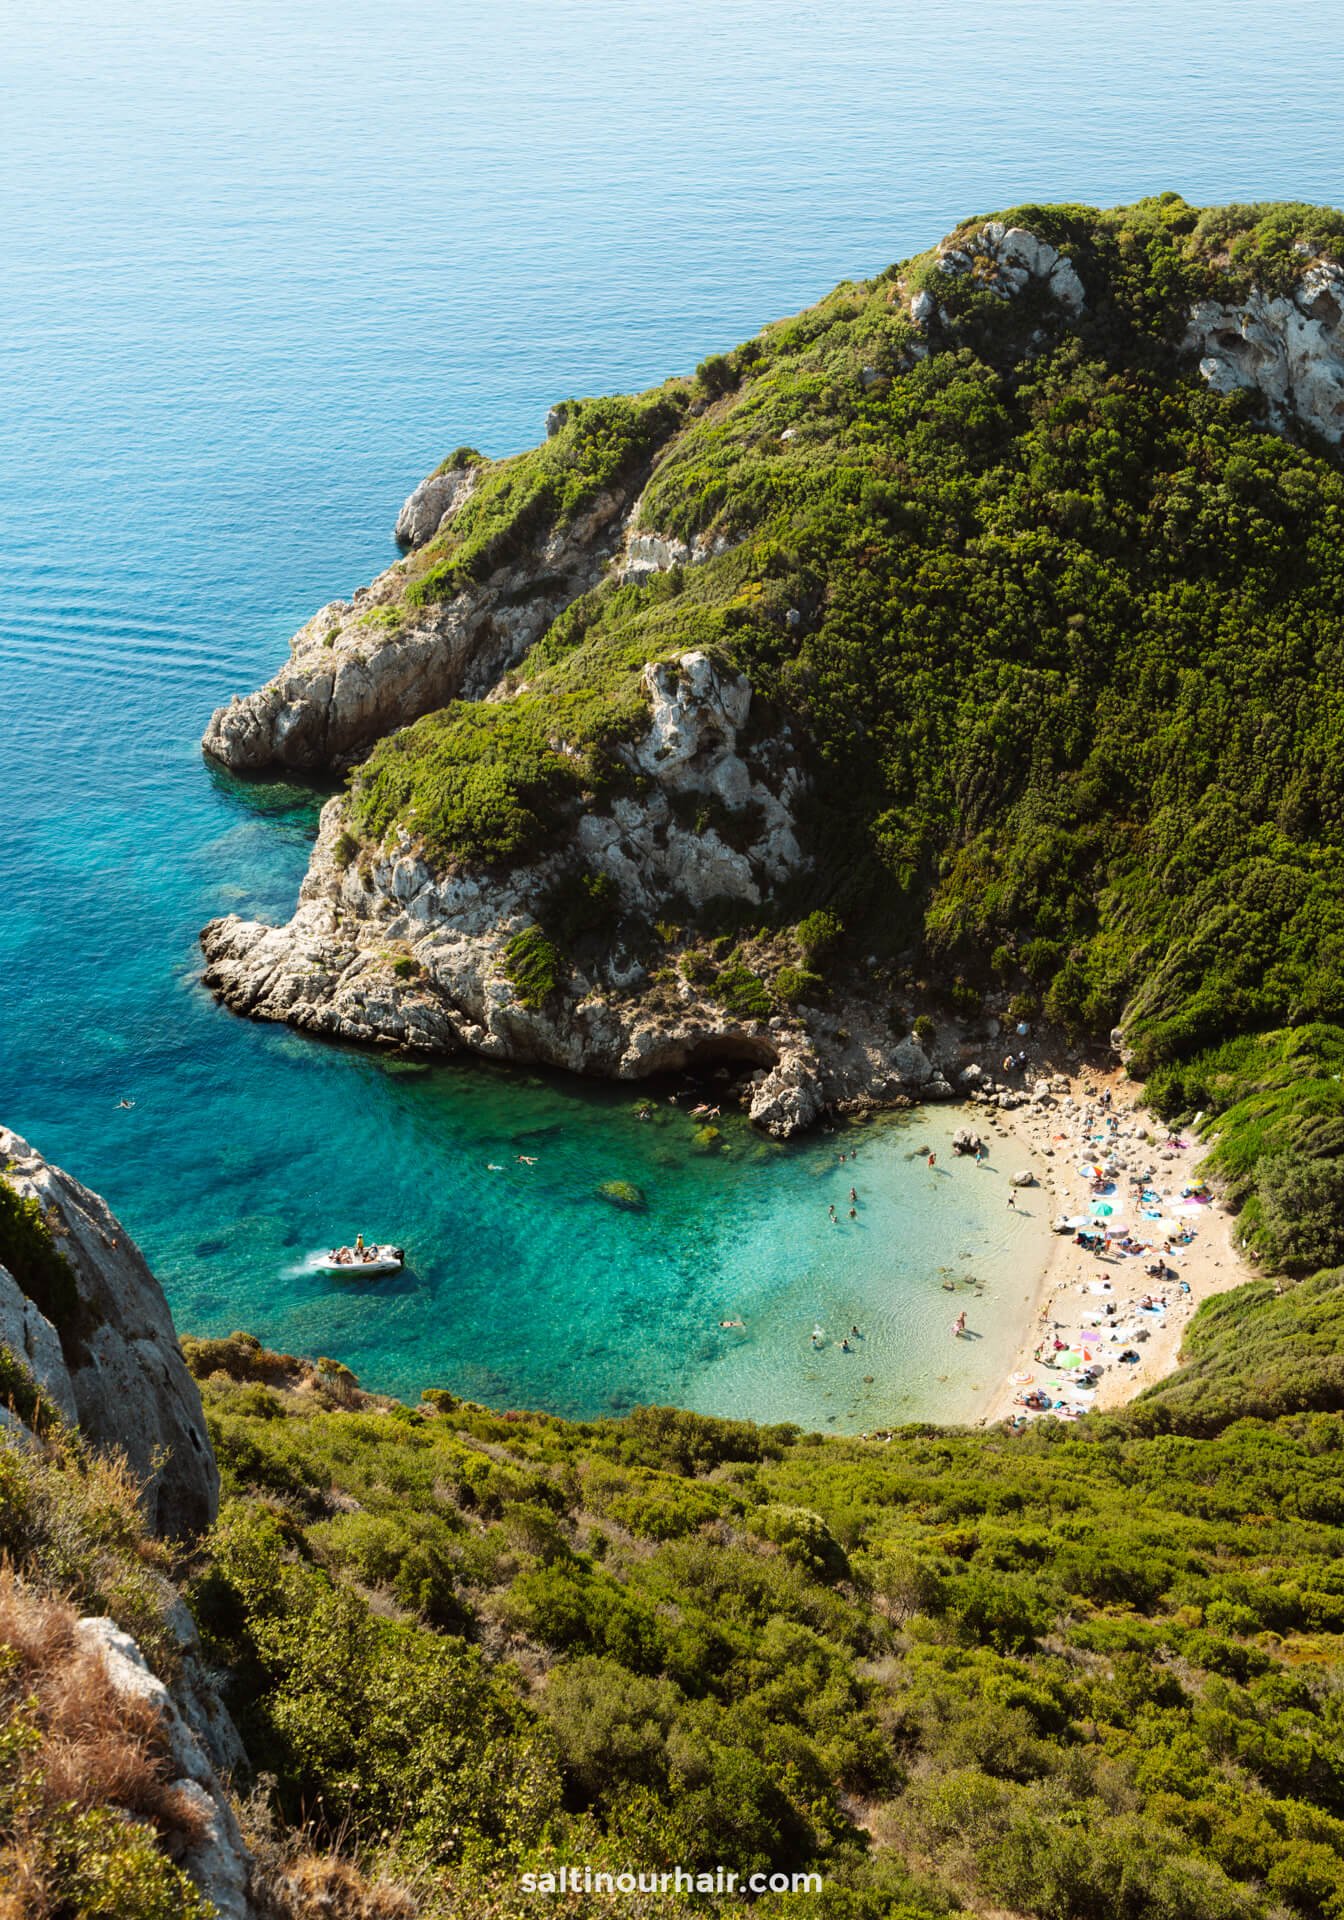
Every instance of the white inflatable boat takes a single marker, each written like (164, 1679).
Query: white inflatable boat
(368, 1263)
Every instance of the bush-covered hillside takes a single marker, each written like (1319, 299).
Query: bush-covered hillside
(1058, 629)
(1074, 1673)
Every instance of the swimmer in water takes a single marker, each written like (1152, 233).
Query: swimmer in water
(852, 1194)
(527, 1159)
(126, 1104)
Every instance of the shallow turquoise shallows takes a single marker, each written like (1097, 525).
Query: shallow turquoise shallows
(264, 264)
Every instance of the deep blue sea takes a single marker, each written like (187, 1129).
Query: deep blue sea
(263, 264)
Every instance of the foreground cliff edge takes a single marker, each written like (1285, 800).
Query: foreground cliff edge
(968, 642)
(112, 1794)
(1089, 1669)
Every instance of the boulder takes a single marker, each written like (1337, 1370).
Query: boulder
(1024, 1177)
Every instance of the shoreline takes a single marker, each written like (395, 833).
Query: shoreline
(1076, 1287)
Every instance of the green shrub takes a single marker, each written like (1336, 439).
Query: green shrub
(793, 984)
(29, 1251)
(817, 934)
(534, 966)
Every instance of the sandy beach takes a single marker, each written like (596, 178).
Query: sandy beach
(1089, 1306)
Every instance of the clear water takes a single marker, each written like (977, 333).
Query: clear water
(263, 264)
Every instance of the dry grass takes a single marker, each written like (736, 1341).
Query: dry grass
(86, 1744)
(293, 1879)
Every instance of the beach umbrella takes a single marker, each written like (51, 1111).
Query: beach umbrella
(1102, 1209)
(1070, 1359)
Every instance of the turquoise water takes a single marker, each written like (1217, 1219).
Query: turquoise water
(262, 269)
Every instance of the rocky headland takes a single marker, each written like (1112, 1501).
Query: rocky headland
(623, 745)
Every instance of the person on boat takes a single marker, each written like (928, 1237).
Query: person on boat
(359, 1245)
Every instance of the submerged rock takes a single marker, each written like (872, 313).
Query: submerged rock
(623, 1194)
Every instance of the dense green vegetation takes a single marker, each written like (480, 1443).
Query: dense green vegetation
(1059, 632)
(599, 443)
(1077, 1672)
(34, 1260)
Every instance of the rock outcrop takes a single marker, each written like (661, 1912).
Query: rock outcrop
(217, 1861)
(363, 667)
(389, 950)
(433, 504)
(1287, 347)
(1005, 260)
(112, 1365)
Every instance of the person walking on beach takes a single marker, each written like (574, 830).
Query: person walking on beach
(1012, 1202)
(932, 1158)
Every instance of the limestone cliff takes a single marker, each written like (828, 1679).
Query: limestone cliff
(111, 1363)
(395, 952)
(361, 667)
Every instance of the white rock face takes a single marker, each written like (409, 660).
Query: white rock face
(435, 500)
(328, 969)
(116, 1369)
(219, 1862)
(361, 668)
(1006, 260)
(645, 553)
(1290, 348)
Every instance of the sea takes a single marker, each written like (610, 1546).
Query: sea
(263, 265)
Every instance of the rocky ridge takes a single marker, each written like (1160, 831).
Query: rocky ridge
(362, 667)
(113, 1367)
(217, 1859)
